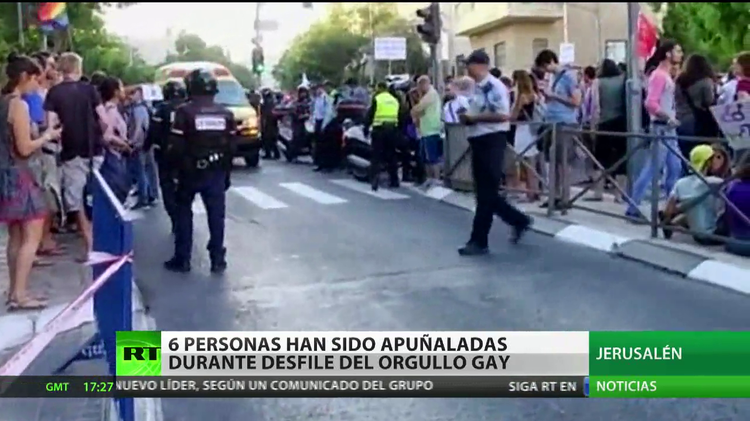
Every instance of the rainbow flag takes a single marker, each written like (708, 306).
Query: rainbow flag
(53, 16)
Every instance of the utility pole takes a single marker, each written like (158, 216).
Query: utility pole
(431, 32)
(451, 32)
(257, 57)
(373, 63)
(565, 22)
(635, 88)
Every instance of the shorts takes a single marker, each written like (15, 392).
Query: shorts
(431, 148)
(74, 174)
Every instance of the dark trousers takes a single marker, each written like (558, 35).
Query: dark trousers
(328, 146)
(487, 153)
(317, 141)
(384, 139)
(270, 135)
(211, 186)
(167, 185)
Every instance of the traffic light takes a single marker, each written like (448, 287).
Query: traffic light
(429, 30)
(258, 65)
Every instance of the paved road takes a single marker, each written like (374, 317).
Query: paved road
(307, 253)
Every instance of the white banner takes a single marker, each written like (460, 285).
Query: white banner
(393, 48)
(734, 122)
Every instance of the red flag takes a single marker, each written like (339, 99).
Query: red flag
(648, 34)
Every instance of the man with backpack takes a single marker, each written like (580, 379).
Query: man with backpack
(141, 161)
(562, 100)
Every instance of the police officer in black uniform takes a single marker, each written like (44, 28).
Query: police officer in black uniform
(201, 145)
(268, 128)
(161, 123)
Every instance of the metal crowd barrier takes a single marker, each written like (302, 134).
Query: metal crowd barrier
(457, 173)
(111, 292)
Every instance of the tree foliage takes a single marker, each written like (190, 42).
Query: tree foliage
(86, 36)
(336, 47)
(717, 30)
(190, 47)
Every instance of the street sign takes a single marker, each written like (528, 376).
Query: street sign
(567, 53)
(391, 48)
(266, 25)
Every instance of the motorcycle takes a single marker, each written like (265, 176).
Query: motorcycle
(357, 149)
(358, 152)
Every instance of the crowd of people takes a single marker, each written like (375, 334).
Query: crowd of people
(56, 125)
(590, 105)
(694, 163)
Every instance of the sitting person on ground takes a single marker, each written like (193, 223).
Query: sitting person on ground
(738, 194)
(695, 199)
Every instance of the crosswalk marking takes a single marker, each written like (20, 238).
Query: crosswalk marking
(258, 198)
(321, 197)
(365, 188)
(198, 207)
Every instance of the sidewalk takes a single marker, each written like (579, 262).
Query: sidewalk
(61, 283)
(625, 239)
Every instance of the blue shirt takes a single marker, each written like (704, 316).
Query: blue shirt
(36, 107)
(563, 85)
(320, 106)
(702, 216)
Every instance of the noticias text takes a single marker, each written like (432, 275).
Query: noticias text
(338, 362)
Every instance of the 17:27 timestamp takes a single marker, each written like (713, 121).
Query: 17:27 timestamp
(98, 387)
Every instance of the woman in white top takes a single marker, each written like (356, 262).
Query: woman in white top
(525, 138)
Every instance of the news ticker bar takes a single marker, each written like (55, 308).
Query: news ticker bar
(377, 387)
(658, 353)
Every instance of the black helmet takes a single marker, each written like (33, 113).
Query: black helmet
(200, 82)
(173, 90)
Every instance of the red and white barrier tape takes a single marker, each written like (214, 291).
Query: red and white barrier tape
(23, 358)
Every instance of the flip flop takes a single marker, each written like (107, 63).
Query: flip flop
(28, 304)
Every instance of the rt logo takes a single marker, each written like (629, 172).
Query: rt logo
(145, 353)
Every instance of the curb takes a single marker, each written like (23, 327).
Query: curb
(688, 264)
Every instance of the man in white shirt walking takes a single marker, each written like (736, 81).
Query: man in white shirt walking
(487, 118)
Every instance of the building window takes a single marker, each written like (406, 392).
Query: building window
(500, 55)
(538, 45)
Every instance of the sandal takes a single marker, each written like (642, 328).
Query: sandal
(27, 304)
(40, 297)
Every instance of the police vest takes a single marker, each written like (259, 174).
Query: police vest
(387, 109)
(209, 144)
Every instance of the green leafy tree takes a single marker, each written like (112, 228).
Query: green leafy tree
(717, 30)
(190, 47)
(336, 47)
(86, 35)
